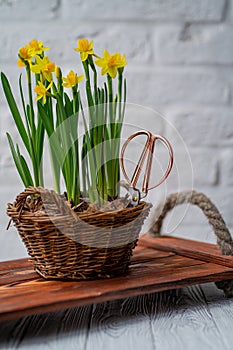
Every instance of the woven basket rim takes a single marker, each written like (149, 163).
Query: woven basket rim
(21, 212)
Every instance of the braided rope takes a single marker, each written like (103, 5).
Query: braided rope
(215, 219)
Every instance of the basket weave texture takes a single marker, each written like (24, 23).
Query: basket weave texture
(64, 244)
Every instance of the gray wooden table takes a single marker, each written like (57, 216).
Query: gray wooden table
(198, 317)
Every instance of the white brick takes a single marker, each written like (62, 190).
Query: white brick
(183, 10)
(157, 87)
(204, 127)
(193, 168)
(230, 11)
(11, 10)
(205, 167)
(62, 42)
(226, 168)
(224, 73)
(11, 245)
(188, 221)
(195, 44)
(198, 232)
(6, 120)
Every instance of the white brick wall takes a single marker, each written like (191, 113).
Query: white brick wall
(180, 62)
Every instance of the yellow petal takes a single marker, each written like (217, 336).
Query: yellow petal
(106, 54)
(91, 45)
(38, 97)
(104, 70)
(47, 76)
(80, 78)
(99, 62)
(35, 69)
(20, 63)
(49, 86)
(112, 71)
(84, 56)
(65, 85)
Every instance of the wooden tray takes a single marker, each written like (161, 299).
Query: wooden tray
(158, 264)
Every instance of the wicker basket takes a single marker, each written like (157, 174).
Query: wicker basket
(64, 244)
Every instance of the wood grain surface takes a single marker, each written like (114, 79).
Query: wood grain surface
(155, 267)
(189, 248)
(196, 317)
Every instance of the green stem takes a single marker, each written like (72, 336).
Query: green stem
(36, 166)
(88, 84)
(95, 80)
(110, 101)
(119, 94)
(55, 171)
(54, 162)
(32, 122)
(75, 145)
(110, 165)
(75, 97)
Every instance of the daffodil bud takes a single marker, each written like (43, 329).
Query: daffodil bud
(58, 72)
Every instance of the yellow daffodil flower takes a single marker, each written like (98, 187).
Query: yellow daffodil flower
(72, 79)
(36, 47)
(42, 91)
(111, 63)
(44, 66)
(85, 48)
(25, 54)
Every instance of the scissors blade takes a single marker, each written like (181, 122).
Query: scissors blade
(140, 163)
(150, 151)
(135, 196)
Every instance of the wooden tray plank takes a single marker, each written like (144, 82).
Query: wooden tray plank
(189, 248)
(160, 265)
(21, 270)
(145, 265)
(143, 253)
(34, 299)
(19, 263)
(23, 292)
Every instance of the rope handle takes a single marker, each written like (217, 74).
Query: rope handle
(224, 239)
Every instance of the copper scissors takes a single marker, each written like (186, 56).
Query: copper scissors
(147, 152)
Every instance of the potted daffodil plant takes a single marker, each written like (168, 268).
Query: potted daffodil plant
(69, 231)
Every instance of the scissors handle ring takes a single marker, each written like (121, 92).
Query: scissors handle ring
(130, 138)
(169, 167)
(148, 149)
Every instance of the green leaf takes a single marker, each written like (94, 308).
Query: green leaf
(14, 111)
(53, 135)
(40, 132)
(40, 139)
(88, 84)
(68, 105)
(22, 95)
(18, 163)
(75, 180)
(26, 171)
(47, 122)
